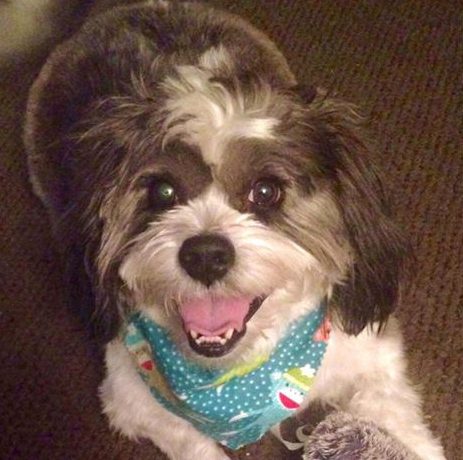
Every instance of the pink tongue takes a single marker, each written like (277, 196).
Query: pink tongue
(214, 316)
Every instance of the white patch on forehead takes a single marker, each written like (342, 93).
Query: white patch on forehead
(206, 114)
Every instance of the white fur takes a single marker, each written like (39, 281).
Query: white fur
(132, 410)
(266, 263)
(206, 114)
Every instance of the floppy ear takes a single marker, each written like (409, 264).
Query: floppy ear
(67, 84)
(370, 290)
(96, 305)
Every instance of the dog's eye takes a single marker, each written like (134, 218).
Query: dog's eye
(162, 194)
(265, 193)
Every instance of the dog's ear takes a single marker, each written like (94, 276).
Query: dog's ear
(94, 304)
(67, 85)
(369, 292)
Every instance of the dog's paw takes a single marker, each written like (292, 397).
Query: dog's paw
(218, 456)
(211, 452)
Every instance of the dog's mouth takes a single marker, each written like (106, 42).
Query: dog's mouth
(215, 325)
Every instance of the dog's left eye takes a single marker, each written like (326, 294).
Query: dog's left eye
(265, 193)
(162, 195)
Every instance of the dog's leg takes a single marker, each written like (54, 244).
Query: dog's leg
(366, 376)
(133, 411)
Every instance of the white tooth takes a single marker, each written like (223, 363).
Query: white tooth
(229, 333)
(194, 334)
(211, 339)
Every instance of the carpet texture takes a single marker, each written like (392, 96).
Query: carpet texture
(402, 62)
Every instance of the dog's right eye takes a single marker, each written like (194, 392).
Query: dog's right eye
(162, 194)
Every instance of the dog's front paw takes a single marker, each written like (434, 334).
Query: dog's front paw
(209, 452)
(219, 454)
(189, 456)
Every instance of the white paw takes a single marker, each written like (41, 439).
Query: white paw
(210, 452)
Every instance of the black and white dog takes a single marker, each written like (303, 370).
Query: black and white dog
(191, 180)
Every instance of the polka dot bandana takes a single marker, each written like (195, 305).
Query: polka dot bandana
(235, 406)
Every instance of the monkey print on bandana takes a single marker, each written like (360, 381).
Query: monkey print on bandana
(236, 407)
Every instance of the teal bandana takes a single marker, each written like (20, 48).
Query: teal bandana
(238, 406)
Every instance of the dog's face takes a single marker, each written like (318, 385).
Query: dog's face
(224, 204)
(238, 232)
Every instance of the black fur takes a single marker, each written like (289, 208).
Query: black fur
(370, 292)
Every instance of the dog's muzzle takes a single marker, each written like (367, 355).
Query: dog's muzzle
(213, 324)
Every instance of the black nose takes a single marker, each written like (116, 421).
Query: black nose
(207, 258)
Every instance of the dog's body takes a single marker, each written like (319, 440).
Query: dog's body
(185, 173)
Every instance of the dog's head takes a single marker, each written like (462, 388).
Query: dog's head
(218, 197)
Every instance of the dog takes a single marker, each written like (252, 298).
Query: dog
(215, 214)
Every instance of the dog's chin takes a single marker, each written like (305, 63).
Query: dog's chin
(218, 337)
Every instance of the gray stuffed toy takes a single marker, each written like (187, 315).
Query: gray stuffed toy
(343, 437)
(324, 433)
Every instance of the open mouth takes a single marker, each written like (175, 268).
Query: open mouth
(215, 325)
